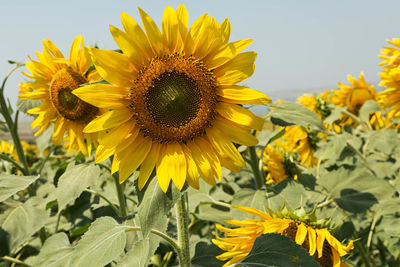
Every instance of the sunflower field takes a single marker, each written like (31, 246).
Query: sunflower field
(151, 155)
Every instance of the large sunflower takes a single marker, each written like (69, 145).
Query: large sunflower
(54, 78)
(173, 99)
(311, 235)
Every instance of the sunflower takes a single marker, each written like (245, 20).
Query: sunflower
(173, 100)
(54, 78)
(390, 98)
(304, 141)
(354, 96)
(8, 149)
(305, 231)
(277, 163)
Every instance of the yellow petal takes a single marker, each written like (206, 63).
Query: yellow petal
(237, 69)
(162, 169)
(114, 67)
(148, 164)
(177, 164)
(137, 35)
(237, 94)
(128, 46)
(104, 95)
(74, 53)
(192, 172)
(301, 234)
(133, 156)
(312, 239)
(225, 30)
(170, 28)
(183, 20)
(194, 33)
(238, 134)
(109, 119)
(253, 211)
(240, 115)
(226, 53)
(321, 233)
(153, 33)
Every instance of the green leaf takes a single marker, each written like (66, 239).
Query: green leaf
(74, 180)
(367, 108)
(205, 255)
(335, 114)
(26, 104)
(11, 184)
(385, 141)
(43, 141)
(355, 190)
(286, 113)
(102, 243)
(22, 222)
(138, 256)
(277, 250)
(248, 198)
(56, 251)
(333, 147)
(155, 205)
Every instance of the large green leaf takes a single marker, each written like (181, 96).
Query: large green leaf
(332, 148)
(205, 255)
(355, 190)
(102, 243)
(286, 113)
(248, 198)
(26, 104)
(138, 256)
(11, 184)
(155, 205)
(367, 108)
(75, 179)
(56, 252)
(275, 250)
(22, 222)
(384, 141)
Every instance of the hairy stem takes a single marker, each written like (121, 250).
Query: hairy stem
(182, 218)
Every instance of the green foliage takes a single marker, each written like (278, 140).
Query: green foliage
(277, 250)
(11, 184)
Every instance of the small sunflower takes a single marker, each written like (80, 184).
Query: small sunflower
(354, 96)
(304, 141)
(54, 78)
(173, 100)
(8, 149)
(277, 163)
(305, 230)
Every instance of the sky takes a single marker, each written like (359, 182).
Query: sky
(301, 45)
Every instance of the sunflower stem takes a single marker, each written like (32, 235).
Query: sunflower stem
(254, 164)
(182, 221)
(121, 196)
(12, 127)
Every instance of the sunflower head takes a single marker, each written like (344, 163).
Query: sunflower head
(278, 163)
(53, 79)
(302, 140)
(305, 229)
(354, 96)
(8, 149)
(173, 102)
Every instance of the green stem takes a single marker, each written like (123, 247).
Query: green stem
(121, 196)
(182, 224)
(9, 159)
(7, 258)
(254, 164)
(364, 255)
(11, 125)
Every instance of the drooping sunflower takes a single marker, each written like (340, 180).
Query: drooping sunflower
(54, 78)
(173, 100)
(304, 141)
(305, 231)
(277, 163)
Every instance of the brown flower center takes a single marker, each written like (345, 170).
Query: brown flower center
(68, 105)
(174, 98)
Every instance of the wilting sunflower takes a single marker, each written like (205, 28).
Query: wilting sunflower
(54, 79)
(173, 100)
(277, 163)
(305, 231)
(304, 141)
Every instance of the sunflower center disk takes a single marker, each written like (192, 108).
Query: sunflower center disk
(174, 98)
(68, 105)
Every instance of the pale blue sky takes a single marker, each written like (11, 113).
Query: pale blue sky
(300, 44)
